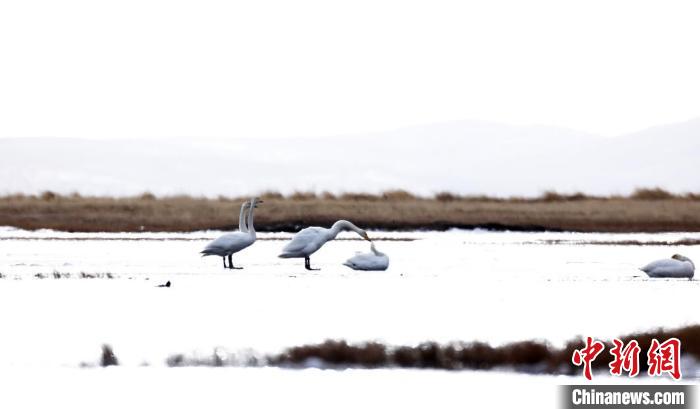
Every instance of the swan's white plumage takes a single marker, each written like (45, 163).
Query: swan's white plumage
(310, 239)
(374, 261)
(676, 267)
(228, 243)
(234, 242)
(305, 243)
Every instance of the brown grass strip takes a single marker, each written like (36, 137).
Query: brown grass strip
(681, 242)
(525, 356)
(648, 210)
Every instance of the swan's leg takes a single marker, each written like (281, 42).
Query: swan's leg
(230, 263)
(224, 257)
(307, 264)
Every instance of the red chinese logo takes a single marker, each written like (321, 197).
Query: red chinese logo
(625, 359)
(662, 357)
(586, 355)
(665, 358)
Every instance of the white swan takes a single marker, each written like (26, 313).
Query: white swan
(374, 261)
(310, 239)
(231, 243)
(677, 266)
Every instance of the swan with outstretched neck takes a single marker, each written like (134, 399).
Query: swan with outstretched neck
(310, 239)
(228, 244)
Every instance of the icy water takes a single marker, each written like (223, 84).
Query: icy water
(63, 295)
(457, 285)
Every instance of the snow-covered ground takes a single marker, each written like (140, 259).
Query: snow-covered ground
(119, 387)
(456, 285)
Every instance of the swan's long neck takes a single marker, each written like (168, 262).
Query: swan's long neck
(376, 252)
(251, 227)
(241, 219)
(341, 225)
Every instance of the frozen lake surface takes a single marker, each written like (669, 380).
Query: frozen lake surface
(440, 286)
(458, 285)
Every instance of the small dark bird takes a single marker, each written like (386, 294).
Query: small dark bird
(108, 357)
(165, 285)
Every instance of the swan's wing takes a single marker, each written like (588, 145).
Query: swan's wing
(668, 268)
(361, 258)
(357, 262)
(219, 243)
(380, 263)
(228, 242)
(302, 239)
(241, 241)
(368, 262)
(659, 265)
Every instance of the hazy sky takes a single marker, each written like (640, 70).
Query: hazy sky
(150, 68)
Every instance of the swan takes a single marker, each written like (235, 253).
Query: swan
(374, 261)
(676, 266)
(310, 239)
(231, 243)
(241, 228)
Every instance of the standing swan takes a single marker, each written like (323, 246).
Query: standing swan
(310, 239)
(374, 261)
(676, 266)
(241, 228)
(231, 243)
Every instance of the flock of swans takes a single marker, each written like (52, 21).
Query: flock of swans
(309, 240)
(303, 244)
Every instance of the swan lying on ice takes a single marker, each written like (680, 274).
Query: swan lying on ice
(374, 261)
(310, 239)
(677, 267)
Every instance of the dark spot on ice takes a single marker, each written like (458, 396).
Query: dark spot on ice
(108, 357)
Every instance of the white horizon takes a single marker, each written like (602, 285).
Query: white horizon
(394, 129)
(463, 157)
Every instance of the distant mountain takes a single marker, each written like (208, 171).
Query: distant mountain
(465, 157)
